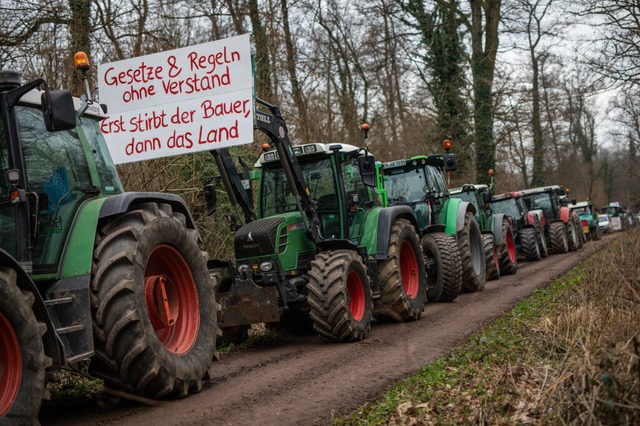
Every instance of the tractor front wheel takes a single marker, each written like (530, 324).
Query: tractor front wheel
(402, 282)
(153, 303)
(443, 267)
(472, 255)
(22, 358)
(339, 298)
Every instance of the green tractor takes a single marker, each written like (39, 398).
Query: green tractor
(94, 280)
(588, 218)
(497, 231)
(320, 245)
(450, 236)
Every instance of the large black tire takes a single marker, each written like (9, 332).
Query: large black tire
(153, 303)
(402, 277)
(22, 358)
(558, 238)
(491, 257)
(472, 255)
(530, 244)
(340, 296)
(443, 267)
(542, 241)
(507, 251)
(575, 242)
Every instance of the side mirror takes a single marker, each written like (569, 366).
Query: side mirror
(450, 163)
(367, 166)
(210, 198)
(486, 197)
(58, 110)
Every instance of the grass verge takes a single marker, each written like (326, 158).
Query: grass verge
(570, 354)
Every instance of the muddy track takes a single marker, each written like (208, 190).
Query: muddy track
(302, 380)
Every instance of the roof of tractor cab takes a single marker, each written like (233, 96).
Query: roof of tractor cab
(436, 160)
(541, 189)
(310, 149)
(468, 187)
(507, 195)
(34, 97)
(580, 204)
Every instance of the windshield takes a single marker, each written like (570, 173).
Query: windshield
(612, 211)
(603, 218)
(405, 186)
(543, 201)
(507, 206)
(276, 195)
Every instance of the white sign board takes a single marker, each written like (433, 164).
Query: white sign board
(181, 101)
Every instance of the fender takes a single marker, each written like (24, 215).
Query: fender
(52, 346)
(497, 227)
(463, 209)
(121, 203)
(452, 215)
(565, 214)
(78, 253)
(386, 217)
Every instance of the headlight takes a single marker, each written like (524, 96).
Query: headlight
(266, 266)
(244, 269)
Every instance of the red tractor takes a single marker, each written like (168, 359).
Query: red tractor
(563, 228)
(528, 224)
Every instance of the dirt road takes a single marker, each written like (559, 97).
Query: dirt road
(302, 380)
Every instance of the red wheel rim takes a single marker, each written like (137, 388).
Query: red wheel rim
(10, 366)
(172, 299)
(511, 246)
(356, 296)
(409, 270)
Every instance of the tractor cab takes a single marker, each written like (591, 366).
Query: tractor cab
(45, 175)
(418, 182)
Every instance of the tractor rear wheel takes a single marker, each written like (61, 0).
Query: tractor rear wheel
(507, 251)
(402, 282)
(472, 255)
(153, 303)
(558, 238)
(530, 244)
(340, 296)
(443, 267)
(572, 235)
(22, 358)
(491, 257)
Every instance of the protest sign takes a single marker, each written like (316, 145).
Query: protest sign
(181, 101)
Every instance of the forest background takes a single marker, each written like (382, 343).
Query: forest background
(541, 91)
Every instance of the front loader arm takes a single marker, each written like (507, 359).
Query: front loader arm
(274, 126)
(238, 194)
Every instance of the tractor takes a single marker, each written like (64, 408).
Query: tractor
(497, 233)
(562, 230)
(588, 218)
(450, 236)
(528, 225)
(319, 246)
(93, 279)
